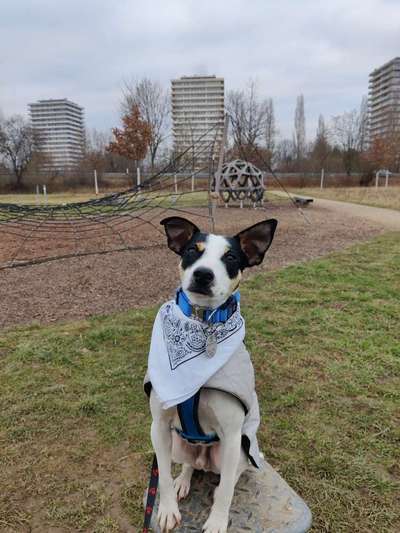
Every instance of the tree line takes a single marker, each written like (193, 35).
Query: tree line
(339, 145)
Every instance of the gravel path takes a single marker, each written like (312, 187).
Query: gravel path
(79, 287)
(389, 218)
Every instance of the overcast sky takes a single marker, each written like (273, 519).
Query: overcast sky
(85, 49)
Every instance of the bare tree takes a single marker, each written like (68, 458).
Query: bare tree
(19, 143)
(321, 148)
(153, 103)
(363, 125)
(236, 108)
(346, 134)
(97, 141)
(286, 154)
(248, 116)
(270, 127)
(96, 155)
(299, 137)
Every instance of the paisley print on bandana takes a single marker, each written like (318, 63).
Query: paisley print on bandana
(185, 338)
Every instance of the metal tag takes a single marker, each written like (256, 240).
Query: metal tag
(211, 345)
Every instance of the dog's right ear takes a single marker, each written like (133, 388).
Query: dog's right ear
(179, 232)
(255, 241)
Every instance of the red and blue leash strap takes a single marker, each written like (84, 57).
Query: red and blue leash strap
(151, 495)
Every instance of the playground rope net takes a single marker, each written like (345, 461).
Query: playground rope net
(126, 220)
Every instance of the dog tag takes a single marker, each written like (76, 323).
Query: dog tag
(211, 345)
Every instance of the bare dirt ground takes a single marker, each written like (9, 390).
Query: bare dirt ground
(78, 287)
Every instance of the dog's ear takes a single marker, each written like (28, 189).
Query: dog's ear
(256, 240)
(179, 232)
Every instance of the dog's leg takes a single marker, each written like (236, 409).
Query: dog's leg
(230, 461)
(168, 512)
(182, 482)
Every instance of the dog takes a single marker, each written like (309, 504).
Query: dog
(210, 269)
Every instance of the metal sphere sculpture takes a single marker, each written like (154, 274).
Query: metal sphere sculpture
(241, 180)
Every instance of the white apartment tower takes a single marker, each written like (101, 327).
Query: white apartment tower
(60, 124)
(384, 99)
(198, 117)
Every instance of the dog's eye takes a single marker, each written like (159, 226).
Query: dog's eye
(192, 250)
(230, 257)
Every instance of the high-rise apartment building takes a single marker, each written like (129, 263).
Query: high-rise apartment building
(198, 117)
(61, 128)
(384, 99)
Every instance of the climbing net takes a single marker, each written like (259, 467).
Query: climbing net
(126, 220)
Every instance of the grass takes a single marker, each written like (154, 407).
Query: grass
(381, 197)
(188, 199)
(324, 338)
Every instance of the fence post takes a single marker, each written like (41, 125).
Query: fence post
(376, 179)
(96, 185)
(193, 182)
(138, 177)
(175, 184)
(45, 194)
(386, 178)
(322, 178)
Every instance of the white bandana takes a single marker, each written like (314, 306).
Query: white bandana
(178, 363)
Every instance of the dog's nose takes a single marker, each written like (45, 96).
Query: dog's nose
(203, 276)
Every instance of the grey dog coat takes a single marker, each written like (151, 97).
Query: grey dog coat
(236, 377)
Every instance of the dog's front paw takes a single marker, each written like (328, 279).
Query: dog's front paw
(168, 516)
(216, 523)
(182, 486)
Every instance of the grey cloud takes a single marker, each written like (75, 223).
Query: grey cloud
(84, 50)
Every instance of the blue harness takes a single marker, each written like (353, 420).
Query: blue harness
(188, 410)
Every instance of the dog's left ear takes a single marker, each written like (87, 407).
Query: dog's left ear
(179, 232)
(256, 240)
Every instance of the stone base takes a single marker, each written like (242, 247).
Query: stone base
(263, 503)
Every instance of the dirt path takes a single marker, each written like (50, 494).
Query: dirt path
(79, 287)
(390, 218)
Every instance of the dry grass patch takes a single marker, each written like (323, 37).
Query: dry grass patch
(381, 197)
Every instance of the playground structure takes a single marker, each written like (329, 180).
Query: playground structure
(241, 181)
(114, 222)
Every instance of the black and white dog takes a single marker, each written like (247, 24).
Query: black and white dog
(211, 267)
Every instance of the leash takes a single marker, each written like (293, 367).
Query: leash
(151, 495)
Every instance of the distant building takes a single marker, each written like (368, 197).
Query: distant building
(198, 117)
(60, 124)
(384, 99)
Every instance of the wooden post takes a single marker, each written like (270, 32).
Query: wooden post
(376, 179)
(45, 194)
(138, 177)
(175, 184)
(193, 182)
(322, 178)
(386, 178)
(221, 155)
(96, 185)
(215, 194)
